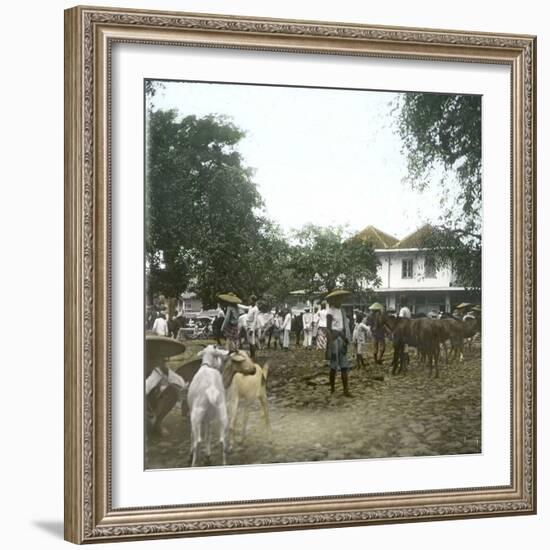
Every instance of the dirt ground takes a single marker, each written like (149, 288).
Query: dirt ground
(404, 415)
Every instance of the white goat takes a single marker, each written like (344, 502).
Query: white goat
(206, 400)
(248, 388)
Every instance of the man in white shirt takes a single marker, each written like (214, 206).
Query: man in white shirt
(285, 327)
(321, 339)
(160, 326)
(251, 325)
(338, 338)
(405, 311)
(307, 321)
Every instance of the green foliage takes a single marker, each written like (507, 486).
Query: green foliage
(202, 207)
(325, 258)
(444, 131)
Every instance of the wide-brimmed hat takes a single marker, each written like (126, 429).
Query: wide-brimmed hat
(476, 308)
(337, 293)
(463, 305)
(376, 306)
(230, 298)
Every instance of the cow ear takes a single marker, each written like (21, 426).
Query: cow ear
(201, 353)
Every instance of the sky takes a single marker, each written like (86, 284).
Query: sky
(322, 156)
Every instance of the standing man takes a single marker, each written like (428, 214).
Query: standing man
(285, 327)
(160, 326)
(252, 323)
(378, 332)
(321, 340)
(316, 318)
(297, 327)
(338, 338)
(360, 335)
(230, 325)
(405, 313)
(307, 321)
(275, 330)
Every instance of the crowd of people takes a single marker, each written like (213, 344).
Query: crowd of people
(327, 327)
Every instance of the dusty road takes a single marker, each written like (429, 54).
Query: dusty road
(406, 415)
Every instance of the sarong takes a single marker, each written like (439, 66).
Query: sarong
(338, 355)
(321, 338)
(231, 333)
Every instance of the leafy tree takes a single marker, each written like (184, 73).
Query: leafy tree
(324, 258)
(202, 207)
(444, 131)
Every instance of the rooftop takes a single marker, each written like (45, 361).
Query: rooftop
(376, 237)
(415, 239)
(380, 240)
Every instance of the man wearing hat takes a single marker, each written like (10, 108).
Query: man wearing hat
(230, 326)
(251, 325)
(338, 338)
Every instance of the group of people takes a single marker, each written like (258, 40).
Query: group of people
(310, 327)
(326, 328)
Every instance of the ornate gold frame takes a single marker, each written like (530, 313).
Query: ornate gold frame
(89, 34)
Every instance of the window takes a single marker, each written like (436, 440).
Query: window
(429, 268)
(407, 269)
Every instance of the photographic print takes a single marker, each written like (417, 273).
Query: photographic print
(273, 265)
(312, 274)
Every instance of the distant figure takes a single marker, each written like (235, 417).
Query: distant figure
(360, 335)
(230, 325)
(404, 311)
(217, 328)
(160, 326)
(315, 328)
(307, 323)
(297, 327)
(276, 331)
(251, 326)
(434, 314)
(285, 328)
(378, 333)
(321, 340)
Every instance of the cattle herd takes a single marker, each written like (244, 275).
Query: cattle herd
(429, 337)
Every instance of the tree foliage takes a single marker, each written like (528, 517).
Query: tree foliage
(203, 211)
(444, 131)
(325, 258)
(206, 229)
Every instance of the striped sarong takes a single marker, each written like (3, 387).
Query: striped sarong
(321, 338)
(231, 333)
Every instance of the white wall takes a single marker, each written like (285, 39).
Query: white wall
(392, 262)
(31, 214)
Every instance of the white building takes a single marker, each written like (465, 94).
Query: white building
(408, 274)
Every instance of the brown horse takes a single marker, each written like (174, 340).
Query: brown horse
(423, 334)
